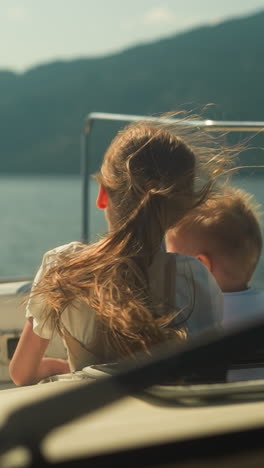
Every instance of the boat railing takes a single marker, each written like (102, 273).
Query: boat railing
(90, 119)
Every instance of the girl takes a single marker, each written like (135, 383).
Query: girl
(124, 294)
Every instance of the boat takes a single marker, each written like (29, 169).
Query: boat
(141, 414)
(175, 409)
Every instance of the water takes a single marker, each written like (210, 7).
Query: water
(39, 213)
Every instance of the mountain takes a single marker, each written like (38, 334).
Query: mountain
(42, 110)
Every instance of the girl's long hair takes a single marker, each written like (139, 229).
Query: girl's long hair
(152, 178)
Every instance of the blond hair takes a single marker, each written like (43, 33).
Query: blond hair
(150, 175)
(226, 228)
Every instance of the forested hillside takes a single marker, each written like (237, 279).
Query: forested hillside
(42, 110)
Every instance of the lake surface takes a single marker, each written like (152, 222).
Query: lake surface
(39, 213)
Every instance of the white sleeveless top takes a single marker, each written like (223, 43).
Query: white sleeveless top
(181, 282)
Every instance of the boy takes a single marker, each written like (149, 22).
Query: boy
(224, 233)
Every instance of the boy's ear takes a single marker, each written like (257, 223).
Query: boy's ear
(205, 260)
(102, 198)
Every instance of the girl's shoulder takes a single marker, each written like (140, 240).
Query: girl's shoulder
(180, 261)
(188, 272)
(192, 268)
(192, 263)
(51, 256)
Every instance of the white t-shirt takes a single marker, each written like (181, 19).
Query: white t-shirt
(242, 305)
(182, 282)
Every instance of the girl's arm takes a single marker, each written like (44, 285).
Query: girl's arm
(28, 366)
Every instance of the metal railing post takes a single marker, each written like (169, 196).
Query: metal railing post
(85, 174)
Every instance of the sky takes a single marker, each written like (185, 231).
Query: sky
(39, 31)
